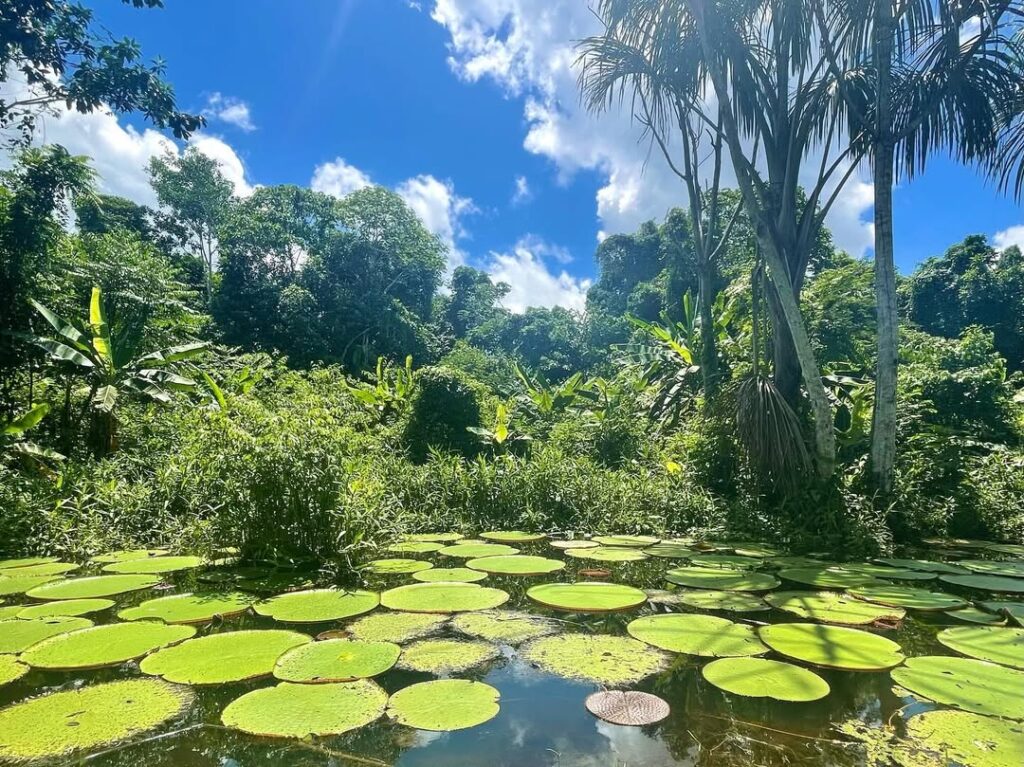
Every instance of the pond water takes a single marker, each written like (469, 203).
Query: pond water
(542, 719)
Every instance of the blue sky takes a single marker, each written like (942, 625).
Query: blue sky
(450, 103)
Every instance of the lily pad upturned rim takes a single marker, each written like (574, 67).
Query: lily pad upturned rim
(444, 705)
(629, 708)
(100, 646)
(93, 586)
(995, 644)
(443, 597)
(17, 635)
(512, 536)
(706, 636)
(764, 678)
(291, 710)
(516, 564)
(230, 656)
(449, 575)
(11, 585)
(820, 644)
(905, 596)
(964, 683)
(11, 564)
(318, 605)
(154, 565)
(12, 669)
(335, 660)
(587, 597)
(65, 607)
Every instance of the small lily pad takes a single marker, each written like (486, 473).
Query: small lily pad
(304, 710)
(336, 660)
(232, 656)
(44, 568)
(396, 566)
(627, 540)
(125, 555)
(628, 708)
(761, 678)
(512, 536)
(964, 683)
(588, 597)
(435, 537)
(516, 564)
(95, 587)
(706, 636)
(450, 575)
(11, 585)
(18, 635)
(608, 554)
(832, 646)
(1004, 646)
(830, 607)
(11, 669)
(969, 739)
(826, 577)
(318, 605)
(576, 543)
(725, 560)
(983, 566)
(730, 601)
(721, 579)
(924, 565)
(396, 627)
(986, 583)
(476, 550)
(189, 608)
(443, 598)
(446, 656)
(614, 661)
(68, 607)
(975, 615)
(81, 720)
(8, 564)
(669, 550)
(154, 565)
(101, 646)
(444, 705)
(415, 547)
(904, 596)
(506, 627)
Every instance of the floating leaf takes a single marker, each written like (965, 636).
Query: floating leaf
(626, 540)
(964, 683)
(904, 596)
(11, 669)
(999, 645)
(669, 550)
(725, 560)
(69, 607)
(1013, 549)
(630, 708)
(614, 661)
(731, 601)
(189, 608)
(275, 582)
(969, 739)
(761, 678)
(449, 574)
(125, 555)
(445, 656)
(830, 607)
(506, 627)
(7, 564)
(18, 635)
(826, 577)
(758, 550)
(101, 646)
(512, 536)
(974, 615)
(608, 554)
(577, 543)
(475, 550)
(396, 627)
(154, 565)
(832, 646)
(589, 597)
(304, 710)
(233, 656)
(10, 611)
(924, 565)
(396, 566)
(318, 605)
(435, 537)
(336, 660)
(721, 579)
(704, 635)
(10, 586)
(44, 568)
(983, 566)
(444, 705)
(443, 597)
(94, 587)
(81, 720)
(1013, 610)
(886, 573)
(516, 565)
(986, 583)
(415, 547)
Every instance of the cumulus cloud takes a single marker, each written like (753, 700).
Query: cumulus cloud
(532, 282)
(1013, 235)
(229, 110)
(338, 178)
(522, 192)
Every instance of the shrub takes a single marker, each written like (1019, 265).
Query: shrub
(445, 404)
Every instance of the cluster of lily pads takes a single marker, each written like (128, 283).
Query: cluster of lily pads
(444, 622)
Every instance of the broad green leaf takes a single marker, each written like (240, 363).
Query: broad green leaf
(105, 398)
(63, 352)
(100, 330)
(27, 420)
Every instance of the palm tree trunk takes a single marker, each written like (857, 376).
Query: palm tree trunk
(708, 342)
(785, 364)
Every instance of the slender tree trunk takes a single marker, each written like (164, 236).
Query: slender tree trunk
(708, 342)
(785, 363)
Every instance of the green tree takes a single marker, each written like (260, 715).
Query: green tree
(105, 213)
(474, 300)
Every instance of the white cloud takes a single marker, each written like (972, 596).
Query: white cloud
(229, 110)
(1009, 237)
(532, 283)
(225, 157)
(338, 178)
(522, 192)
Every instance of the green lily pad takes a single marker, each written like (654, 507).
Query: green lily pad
(507, 627)
(92, 588)
(443, 597)
(1012, 610)
(189, 608)
(9, 612)
(761, 678)
(608, 554)
(725, 560)
(614, 661)
(964, 683)
(969, 739)
(232, 656)
(336, 660)
(587, 597)
(826, 577)
(721, 579)
(10, 586)
(45, 568)
(1013, 549)
(11, 669)
(126, 555)
(415, 547)
(731, 601)
(983, 566)
(396, 566)
(154, 565)
(396, 627)
(450, 575)
(797, 562)
(304, 710)
(444, 705)
(992, 643)
(975, 615)
(832, 646)
(101, 646)
(318, 605)
(830, 607)
(577, 543)
(18, 635)
(886, 573)
(704, 635)
(446, 656)
(435, 537)
(904, 596)
(516, 565)
(7, 564)
(68, 607)
(627, 540)
(81, 720)
(512, 536)
(275, 582)
(669, 550)
(476, 550)
(924, 565)
(758, 550)
(986, 583)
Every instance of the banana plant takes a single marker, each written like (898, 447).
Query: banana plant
(390, 391)
(501, 438)
(12, 436)
(109, 359)
(546, 398)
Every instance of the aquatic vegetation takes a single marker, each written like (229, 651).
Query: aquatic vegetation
(832, 646)
(704, 635)
(627, 540)
(670, 550)
(512, 536)
(887, 573)
(830, 607)
(924, 565)
(18, 635)
(450, 574)
(588, 597)
(986, 583)
(444, 705)
(607, 554)
(43, 568)
(233, 656)
(162, 564)
(1004, 646)
(16, 585)
(396, 627)
(576, 543)
(826, 577)
(435, 537)
(68, 607)
(336, 660)
(629, 708)
(476, 550)
(189, 608)
(614, 661)
(762, 678)
(903, 596)
(504, 626)
(516, 564)
(106, 645)
(730, 601)
(725, 560)
(303, 710)
(443, 597)
(983, 566)
(721, 579)
(10, 564)
(396, 566)
(11, 669)
(1012, 610)
(976, 615)
(318, 605)
(446, 656)
(964, 683)
(969, 739)
(124, 555)
(415, 547)
(93, 587)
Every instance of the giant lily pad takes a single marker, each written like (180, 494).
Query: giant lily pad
(731, 601)
(507, 627)
(435, 537)
(589, 597)
(80, 720)
(217, 658)
(1013, 549)
(975, 615)
(903, 596)
(444, 705)
(629, 708)
(705, 635)
(924, 565)
(613, 661)
(443, 598)
(336, 660)
(275, 582)
(512, 536)
(608, 554)
(832, 646)
(627, 540)
(983, 566)
(69, 607)
(318, 605)
(44, 568)
(445, 656)
(964, 683)
(125, 555)
(396, 627)
(101, 646)
(94, 587)
(303, 710)
(830, 607)
(18, 635)
(450, 575)
(576, 543)
(13, 585)
(725, 560)
(9, 564)
(189, 608)
(154, 565)
(396, 566)
(1012, 610)
(516, 565)
(986, 582)
(415, 547)
(670, 550)
(826, 577)
(761, 678)
(476, 550)
(886, 573)
(11, 669)
(999, 645)
(721, 579)
(969, 739)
